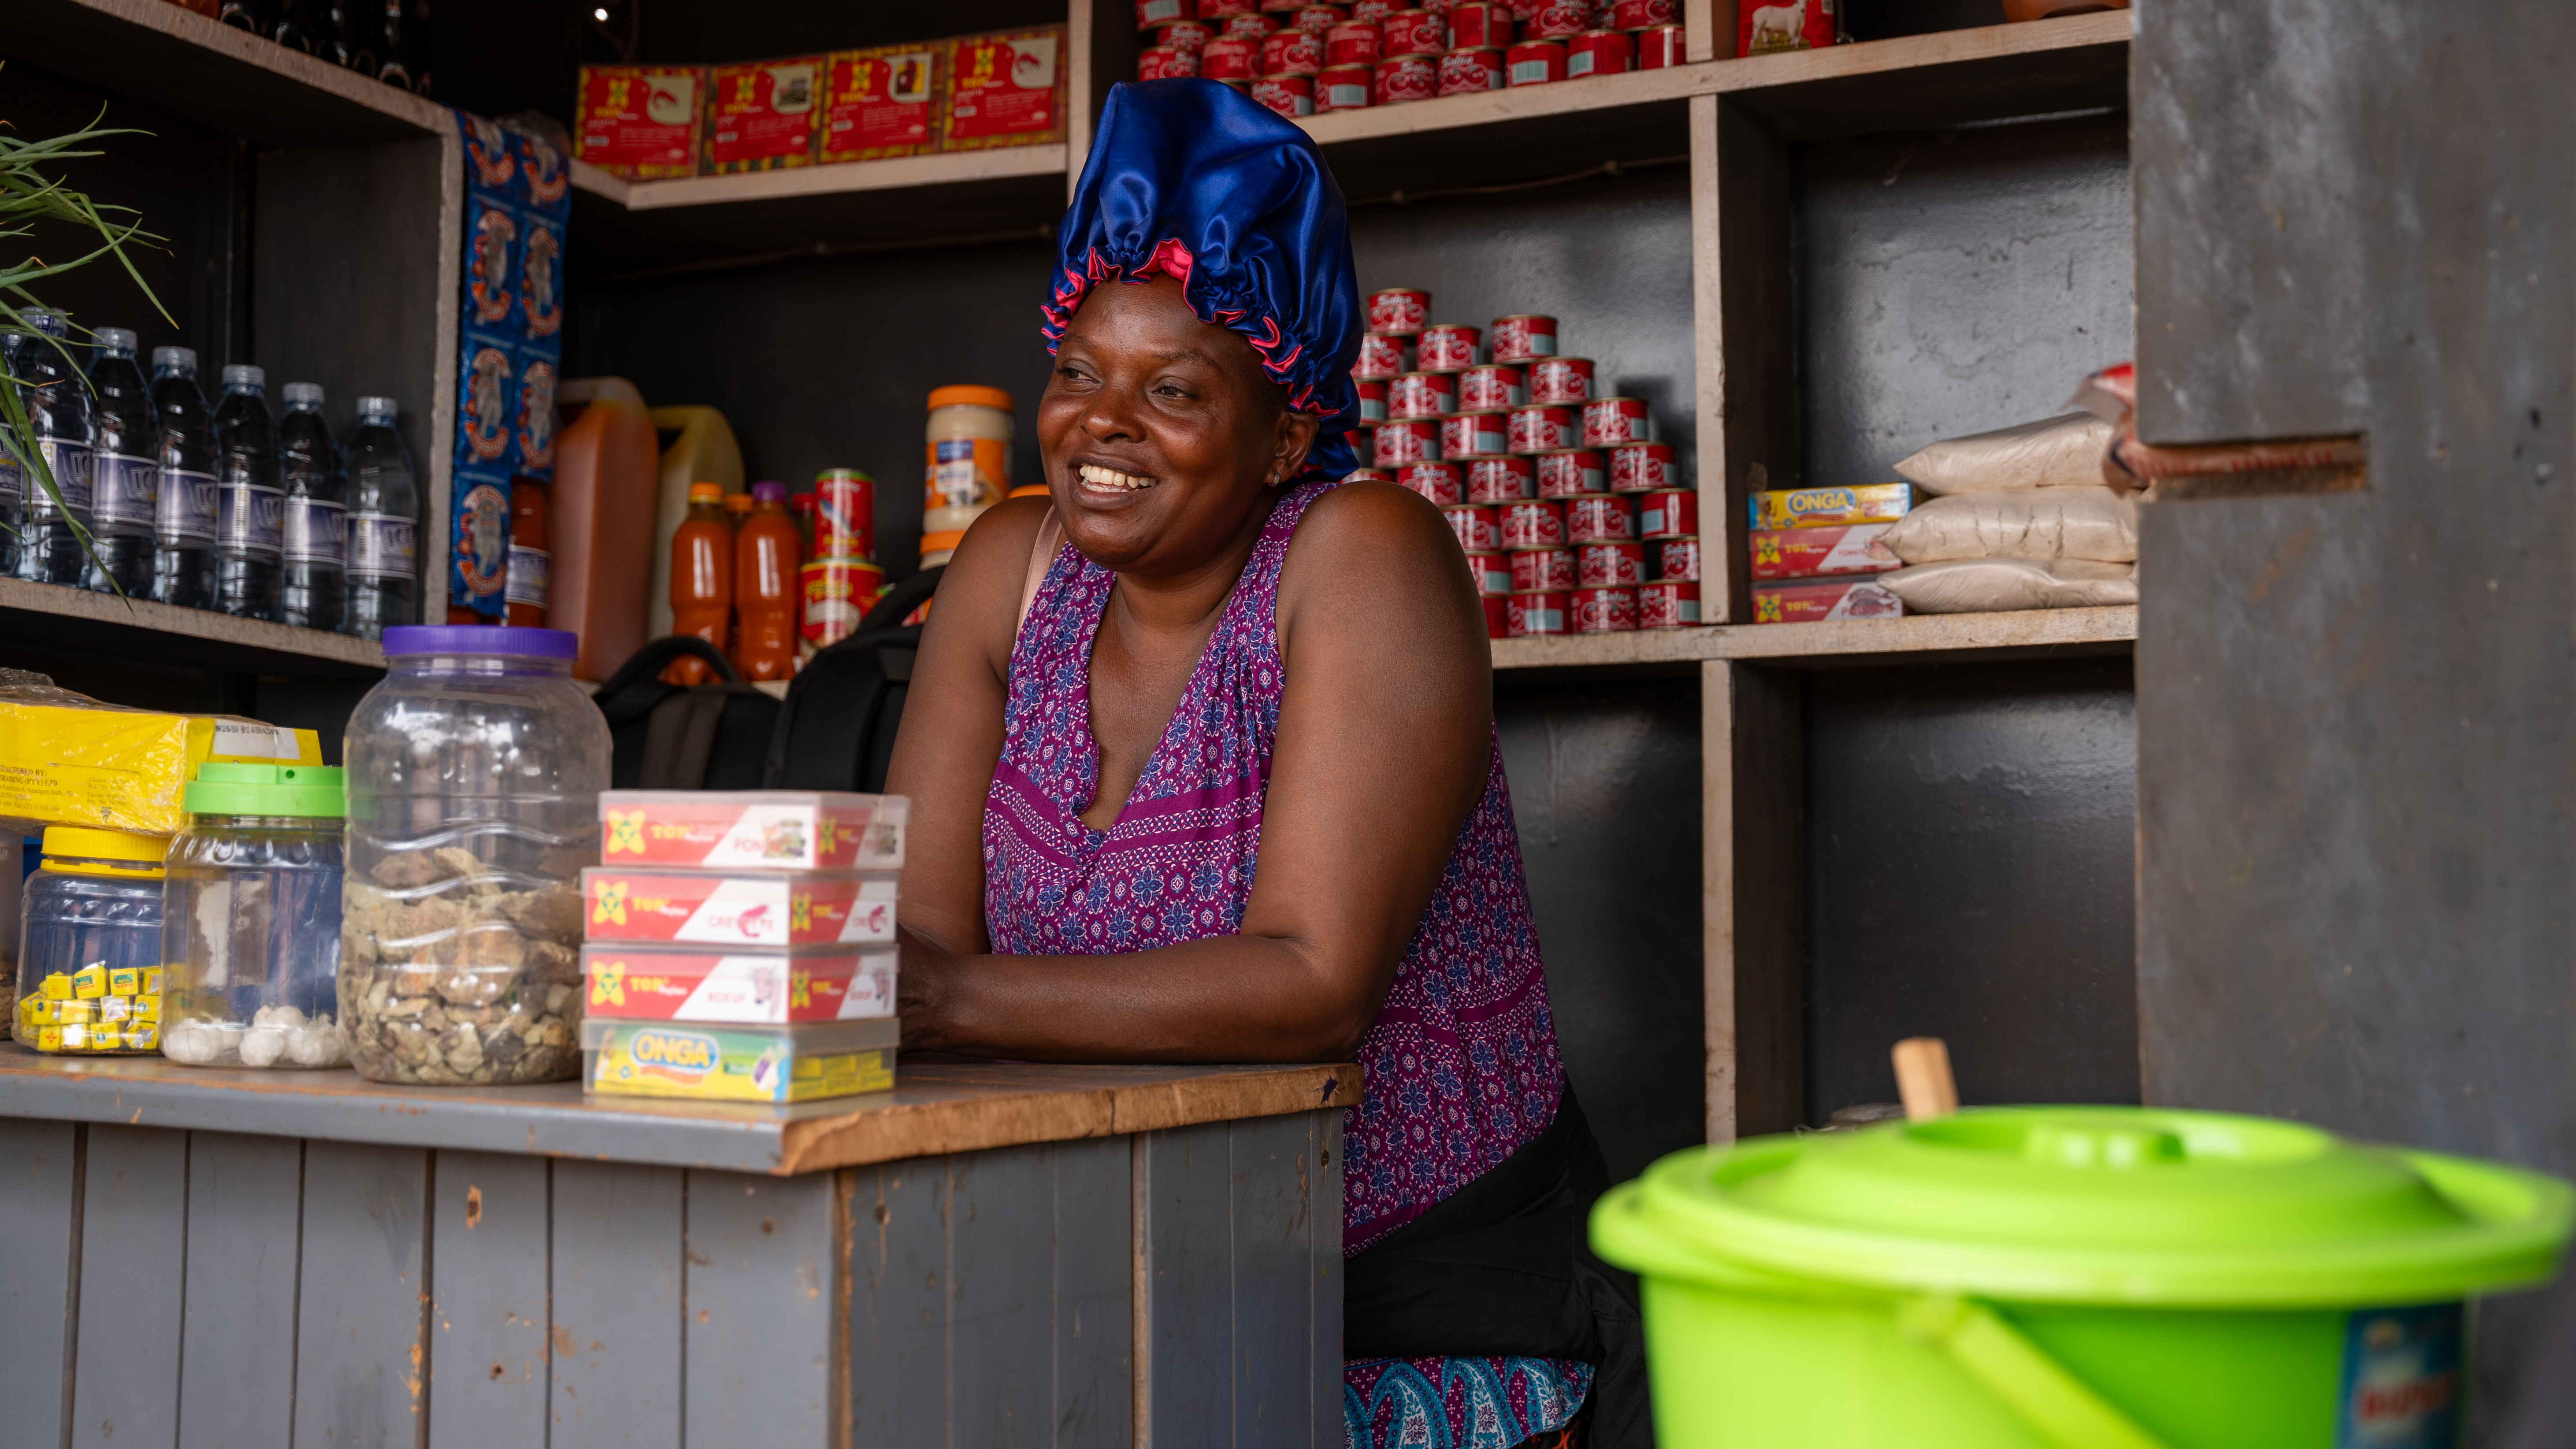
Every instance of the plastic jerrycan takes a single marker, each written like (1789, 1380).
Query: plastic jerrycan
(600, 527)
(767, 586)
(701, 571)
(703, 452)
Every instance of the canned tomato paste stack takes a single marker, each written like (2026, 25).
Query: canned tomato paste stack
(1574, 519)
(1302, 59)
(1816, 552)
(739, 945)
(840, 573)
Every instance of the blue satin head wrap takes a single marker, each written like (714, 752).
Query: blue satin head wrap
(1190, 179)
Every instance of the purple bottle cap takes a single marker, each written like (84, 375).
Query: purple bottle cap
(481, 639)
(768, 492)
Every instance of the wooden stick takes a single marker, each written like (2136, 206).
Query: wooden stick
(1923, 1078)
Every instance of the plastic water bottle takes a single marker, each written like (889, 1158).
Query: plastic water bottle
(316, 541)
(184, 509)
(384, 526)
(56, 397)
(13, 476)
(124, 455)
(250, 499)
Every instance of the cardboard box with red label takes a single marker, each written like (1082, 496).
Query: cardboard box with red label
(881, 102)
(1005, 89)
(769, 988)
(1806, 553)
(640, 121)
(1821, 601)
(786, 908)
(788, 830)
(764, 115)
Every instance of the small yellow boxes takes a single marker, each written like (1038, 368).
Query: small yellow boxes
(143, 1036)
(124, 980)
(115, 1008)
(75, 1013)
(90, 982)
(147, 1009)
(151, 981)
(49, 1038)
(58, 987)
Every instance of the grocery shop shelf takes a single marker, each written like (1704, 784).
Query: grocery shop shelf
(1919, 638)
(66, 620)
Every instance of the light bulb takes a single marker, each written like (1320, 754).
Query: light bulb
(599, 14)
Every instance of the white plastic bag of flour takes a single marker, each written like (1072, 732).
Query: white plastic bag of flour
(2053, 453)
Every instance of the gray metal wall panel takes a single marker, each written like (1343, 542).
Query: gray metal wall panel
(360, 1364)
(1272, 1166)
(237, 1347)
(1003, 1243)
(1095, 1289)
(488, 1359)
(1324, 1279)
(900, 1310)
(618, 1237)
(39, 1200)
(759, 1298)
(125, 1386)
(1189, 1251)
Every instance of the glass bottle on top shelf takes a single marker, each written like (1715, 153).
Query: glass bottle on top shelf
(384, 509)
(250, 526)
(314, 540)
(56, 398)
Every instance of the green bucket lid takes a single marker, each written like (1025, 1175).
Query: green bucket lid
(2095, 1205)
(311, 790)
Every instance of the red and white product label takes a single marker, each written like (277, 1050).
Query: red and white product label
(1667, 604)
(1542, 429)
(1763, 27)
(1605, 611)
(1596, 517)
(760, 988)
(1436, 481)
(1291, 52)
(1317, 20)
(1523, 337)
(1150, 13)
(1500, 480)
(1638, 14)
(1610, 421)
(1399, 311)
(1643, 467)
(1492, 570)
(1491, 388)
(1661, 45)
(1474, 435)
(1351, 43)
(1817, 603)
(1246, 24)
(1401, 78)
(1479, 527)
(1609, 564)
(1189, 35)
(1342, 88)
(1372, 400)
(1373, 12)
(1561, 380)
(1478, 24)
(1230, 58)
(1545, 568)
(1408, 440)
(1448, 347)
(1166, 62)
(817, 832)
(1381, 357)
(1498, 616)
(1597, 52)
(713, 909)
(639, 120)
(1666, 513)
(1422, 395)
(1529, 615)
(1536, 62)
(1806, 553)
(1565, 474)
(1414, 32)
(1464, 72)
(1534, 523)
(1677, 558)
(1560, 20)
(1003, 87)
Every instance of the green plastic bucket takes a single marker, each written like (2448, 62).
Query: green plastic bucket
(2070, 1278)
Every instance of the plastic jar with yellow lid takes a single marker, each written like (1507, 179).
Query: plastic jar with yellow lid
(89, 949)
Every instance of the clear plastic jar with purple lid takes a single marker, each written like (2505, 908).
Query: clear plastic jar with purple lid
(474, 772)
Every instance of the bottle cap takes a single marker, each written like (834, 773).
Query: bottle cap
(769, 492)
(706, 493)
(481, 639)
(116, 341)
(303, 394)
(133, 854)
(317, 791)
(376, 410)
(244, 377)
(180, 360)
(47, 321)
(737, 503)
(968, 395)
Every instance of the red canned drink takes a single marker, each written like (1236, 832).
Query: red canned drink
(1600, 518)
(1523, 337)
(1643, 468)
(1189, 35)
(1605, 563)
(1479, 25)
(1408, 440)
(1401, 78)
(1605, 611)
(1422, 395)
(1381, 357)
(1534, 523)
(1668, 604)
(1667, 513)
(1536, 613)
(1402, 311)
(1289, 95)
(1598, 52)
(1435, 480)
(1535, 62)
(1499, 480)
(1661, 45)
(1543, 429)
(1150, 13)
(1464, 72)
(1317, 20)
(845, 514)
(1448, 347)
(1342, 88)
(1638, 14)
(1291, 52)
(1353, 42)
(1479, 526)
(1245, 25)
(1564, 474)
(1373, 12)
(1372, 399)
(1474, 435)
(1230, 58)
(1560, 20)
(1610, 421)
(1561, 380)
(1677, 558)
(1412, 32)
(1497, 616)
(1492, 569)
(1166, 62)
(1491, 388)
(1544, 568)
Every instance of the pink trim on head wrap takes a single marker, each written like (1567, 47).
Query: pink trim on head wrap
(1173, 260)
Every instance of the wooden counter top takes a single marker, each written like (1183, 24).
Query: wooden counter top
(939, 1105)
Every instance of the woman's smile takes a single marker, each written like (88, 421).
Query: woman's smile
(1103, 479)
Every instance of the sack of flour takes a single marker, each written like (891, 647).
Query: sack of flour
(2088, 523)
(1987, 585)
(2056, 453)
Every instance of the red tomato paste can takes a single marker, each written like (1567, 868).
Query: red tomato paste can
(1668, 604)
(1342, 88)
(1543, 568)
(1150, 13)
(1610, 421)
(1600, 518)
(1564, 474)
(1535, 62)
(845, 514)
(1492, 569)
(1539, 612)
(1499, 480)
(1212, 9)
(1597, 52)
(1560, 20)
(1317, 20)
(1605, 610)
(1401, 311)
(1381, 356)
(1606, 563)
(1677, 558)
(1490, 388)
(1407, 440)
(1244, 25)
(837, 593)
(1497, 616)
(1363, 443)
(1643, 468)
(1368, 475)
(1534, 523)
(1422, 395)
(1230, 58)
(1474, 435)
(1291, 52)
(1661, 45)
(1479, 25)
(1189, 35)
(1401, 78)
(1638, 14)
(1479, 526)
(1372, 12)
(1561, 380)
(1282, 9)
(1435, 480)
(1289, 95)
(1372, 399)
(1464, 72)
(1165, 62)
(1667, 513)
(1353, 42)
(1448, 347)
(1412, 32)
(1543, 429)
(1523, 337)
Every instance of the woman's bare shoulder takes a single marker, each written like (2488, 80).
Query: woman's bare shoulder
(1370, 551)
(981, 590)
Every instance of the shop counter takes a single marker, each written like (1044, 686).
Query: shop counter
(990, 1254)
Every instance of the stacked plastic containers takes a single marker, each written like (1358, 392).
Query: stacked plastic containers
(740, 945)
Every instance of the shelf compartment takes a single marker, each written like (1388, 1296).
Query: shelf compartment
(1917, 637)
(142, 632)
(1923, 82)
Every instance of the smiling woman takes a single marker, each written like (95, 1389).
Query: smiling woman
(1203, 763)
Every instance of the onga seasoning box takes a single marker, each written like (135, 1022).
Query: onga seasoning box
(880, 102)
(1827, 507)
(739, 1063)
(1800, 553)
(1005, 89)
(762, 116)
(766, 988)
(752, 829)
(640, 121)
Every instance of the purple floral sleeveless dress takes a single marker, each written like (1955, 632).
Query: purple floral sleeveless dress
(1462, 1063)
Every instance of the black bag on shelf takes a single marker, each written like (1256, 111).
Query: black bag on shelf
(682, 737)
(838, 727)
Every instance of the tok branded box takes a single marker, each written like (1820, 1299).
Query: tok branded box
(764, 115)
(650, 983)
(640, 121)
(752, 829)
(738, 1063)
(1804, 553)
(1829, 507)
(881, 102)
(790, 908)
(1005, 89)
(1816, 602)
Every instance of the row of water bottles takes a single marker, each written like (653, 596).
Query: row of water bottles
(230, 508)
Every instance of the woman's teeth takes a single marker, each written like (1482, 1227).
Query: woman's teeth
(1111, 478)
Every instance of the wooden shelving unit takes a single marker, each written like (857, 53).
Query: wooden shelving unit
(140, 631)
(1920, 639)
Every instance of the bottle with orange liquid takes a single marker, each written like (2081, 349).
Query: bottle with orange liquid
(767, 586)
(701, 579)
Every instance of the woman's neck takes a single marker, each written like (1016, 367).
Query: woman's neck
(1184, 602)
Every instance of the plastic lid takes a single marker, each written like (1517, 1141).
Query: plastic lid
(376, 410)
(181, 360)
(303, 394)
(706, 493)
(766, 492)
(312, 790)
(244, 375)
(968, 395)
(78, 842)
(942, 542)
(737, 503)
(2096, 1205)
(481, 639)
(115, 340)
(47, 321)
(854, 474)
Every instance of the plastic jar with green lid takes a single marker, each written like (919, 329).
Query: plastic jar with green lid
(89, 948)
(2056, 1277)
(966, 448)
(251, 925)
